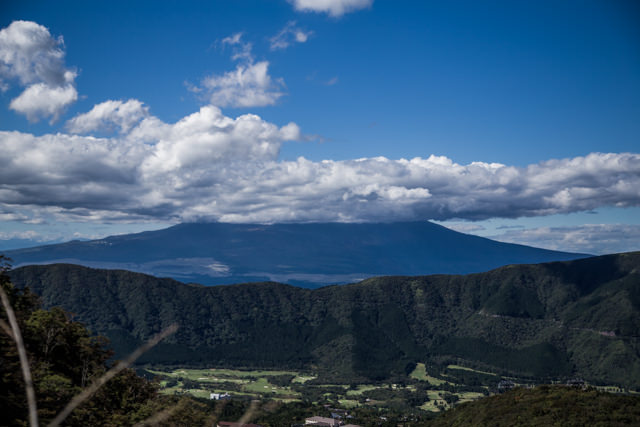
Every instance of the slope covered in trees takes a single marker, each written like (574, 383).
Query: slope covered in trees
(545, 321)
(64, 359)
(545, 406)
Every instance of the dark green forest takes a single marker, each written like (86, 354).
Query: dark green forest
(545, 406)
(539, 322)
(65, 357)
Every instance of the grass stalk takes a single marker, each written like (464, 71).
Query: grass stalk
(24, 361)
(95, 386)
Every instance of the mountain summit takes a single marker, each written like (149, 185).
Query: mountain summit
(309, 255)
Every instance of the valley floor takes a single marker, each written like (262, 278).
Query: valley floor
(422, 390)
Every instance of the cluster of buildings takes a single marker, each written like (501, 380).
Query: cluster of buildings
(327, 422)
(313, 421)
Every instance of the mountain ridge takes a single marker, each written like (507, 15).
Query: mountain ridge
(543, 321)
(310, 255)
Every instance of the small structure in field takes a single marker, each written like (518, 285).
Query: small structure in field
(322, 421)
(219, 396)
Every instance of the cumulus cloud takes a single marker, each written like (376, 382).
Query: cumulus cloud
(594, 239)
(41, 101)
(151, 171)
(249, 85)
(33, 58)
(289, 35)
(109, 115)
(209, 166)
(30, 54)
(332, 7)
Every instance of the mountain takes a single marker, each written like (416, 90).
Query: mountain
(309, 255)
(544, 321)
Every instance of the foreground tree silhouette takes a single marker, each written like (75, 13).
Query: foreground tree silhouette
(71, 376)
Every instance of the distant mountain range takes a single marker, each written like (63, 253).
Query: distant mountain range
(308, 255)
(546, 321)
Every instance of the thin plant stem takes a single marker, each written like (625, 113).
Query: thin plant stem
(158, 417)
(24, 361)
(89, 391)
(6, 328)
(246, 417)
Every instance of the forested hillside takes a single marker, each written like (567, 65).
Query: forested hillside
(545, 406)
(64, 360)
(544, 321)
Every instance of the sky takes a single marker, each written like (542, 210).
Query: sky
(518, 121)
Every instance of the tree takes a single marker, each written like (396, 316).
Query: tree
(64, 358)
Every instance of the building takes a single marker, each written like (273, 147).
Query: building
(322, 421)
(219, 396)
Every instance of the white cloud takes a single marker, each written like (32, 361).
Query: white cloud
(30, 55)
(233, 39)
(208, 166)
(249, 85)
(22, 235)
(241, 50)
(332, 7)
(22, 215)
(12, 216)
(288, 35)
(464, 227)
(109, 114)
(40, 100)
(152, 171)
(594, 239)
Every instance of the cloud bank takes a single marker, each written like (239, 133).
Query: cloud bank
(594, 239)
(33, 58)
(208, 166)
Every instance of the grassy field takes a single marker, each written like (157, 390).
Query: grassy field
(469, 396)
(250, 384)
(290, 386)
(301, 379)
(420, 373)
(262, 386)
(464, 368)
(224, 374)
(256, 384)
(361, 389)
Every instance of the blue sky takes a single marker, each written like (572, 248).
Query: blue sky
(513, 120)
